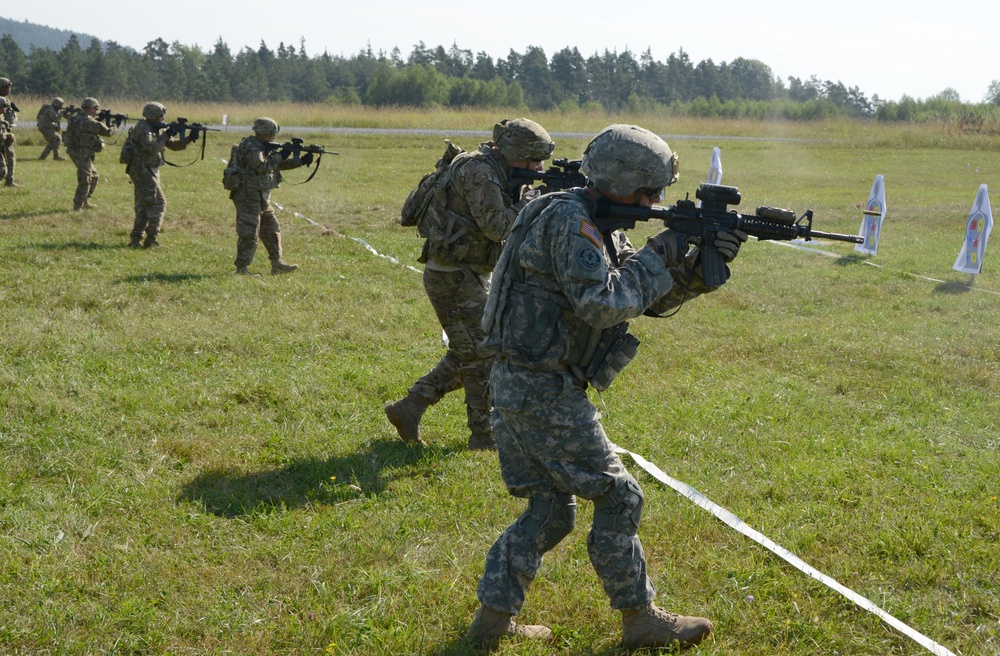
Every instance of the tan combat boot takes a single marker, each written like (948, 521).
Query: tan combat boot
(480, 441)
(405, 415)
(279, 267)
(491, 626)
(650, 626)
(243, 271)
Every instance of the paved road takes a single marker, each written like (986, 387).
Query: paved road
(478, 134)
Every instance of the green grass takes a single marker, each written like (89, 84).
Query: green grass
(195, 462)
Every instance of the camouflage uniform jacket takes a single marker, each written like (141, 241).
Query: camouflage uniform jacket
(49, 119)
(9, 114)
(84, 132)
(148, 144)
(259, 169)
(556, 290)
(470, 218)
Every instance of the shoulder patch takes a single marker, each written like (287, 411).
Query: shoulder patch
(589, 230)
(589, 259)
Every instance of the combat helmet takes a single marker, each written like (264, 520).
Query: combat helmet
(522, 138)
(57, 102)
(265, 125)
(89, 102)
(4, 82)
(625, 158)
(153, 110)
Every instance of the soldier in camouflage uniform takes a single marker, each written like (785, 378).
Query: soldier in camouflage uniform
(561, 290)
(469, 220)
(83, 141)
(50, 125)
(258, 168)
(145, 144)
(8, 113)
(5, 134)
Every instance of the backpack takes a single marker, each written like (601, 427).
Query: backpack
(128, 150)
(231, 178)
(417, 202)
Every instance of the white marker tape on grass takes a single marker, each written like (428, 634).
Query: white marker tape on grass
(739, 525)
(357, 239)
(799, 247)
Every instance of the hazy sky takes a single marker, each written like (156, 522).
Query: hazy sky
(884, 48)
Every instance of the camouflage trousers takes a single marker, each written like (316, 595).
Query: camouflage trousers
(459, 298)
(149, 202)
(8, 157)
(53, 139)
(86, 174)
(552, 449)
(254, 215)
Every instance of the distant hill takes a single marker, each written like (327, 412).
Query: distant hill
(27, 34)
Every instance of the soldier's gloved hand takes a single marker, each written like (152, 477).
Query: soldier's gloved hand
(192, 136)
(171, 131)
(728, 244)
(285, 151)
(670, 245)
(307, 159)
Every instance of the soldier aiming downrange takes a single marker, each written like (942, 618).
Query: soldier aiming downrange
(49, 122)
(466, 225)
(142, 154)
(83, 141)
(555, 315)
(8, 114)
(255, 167)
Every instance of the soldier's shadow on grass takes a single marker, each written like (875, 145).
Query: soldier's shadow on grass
(953, 288)
(14, 216)
(72, 246)
(348, 478)
(161, 277)
(462, 646)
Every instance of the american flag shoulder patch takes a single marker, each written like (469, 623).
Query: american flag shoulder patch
(589, 230)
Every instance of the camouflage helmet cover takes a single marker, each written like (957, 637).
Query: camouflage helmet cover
(57, 102)
(522, 138)
(4, 82)
(153, 110)
(625, 158)
(88, 102)
(265, 125)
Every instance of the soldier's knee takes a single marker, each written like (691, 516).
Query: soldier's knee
(547, 521)
(620, 509)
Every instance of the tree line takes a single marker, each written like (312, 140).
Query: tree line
(455, 78)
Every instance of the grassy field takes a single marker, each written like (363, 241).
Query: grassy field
(197, 462)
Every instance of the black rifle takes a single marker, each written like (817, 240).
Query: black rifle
(714, 217)
(181, 127)
(563, 174)
(188, 132)
(107, 117)
(295, 147)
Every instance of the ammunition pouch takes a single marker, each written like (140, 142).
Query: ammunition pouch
(615, 350)
(232, 178)
(454, 240)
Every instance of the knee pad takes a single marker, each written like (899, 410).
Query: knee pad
(547, 521)
(620, 509)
